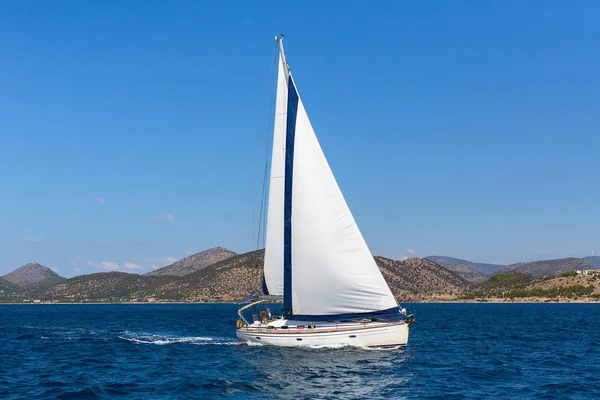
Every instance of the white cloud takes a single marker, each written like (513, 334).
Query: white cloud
(409, 253)
(133, 202)
(154, 266)
(164, 218)
(33, 240)
(100, 201)
(189, 252)
(54, 269)
(170, 260)
(109, 265)
(130, 265)
(75, 269)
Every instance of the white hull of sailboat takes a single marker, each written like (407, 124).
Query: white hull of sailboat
(374, 335)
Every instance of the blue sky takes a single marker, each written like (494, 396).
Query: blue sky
(131, 133)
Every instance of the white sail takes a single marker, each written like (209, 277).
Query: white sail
(332, 269)
(273, 267)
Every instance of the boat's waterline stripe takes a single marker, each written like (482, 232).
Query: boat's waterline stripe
(290, 138)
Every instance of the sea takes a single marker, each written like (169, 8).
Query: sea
(189, 351)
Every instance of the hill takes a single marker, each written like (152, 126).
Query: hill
(228, 280)
(548, 267)
(508, 287)
(32, 275)
(7, 287)
(419, 275)
(571, 286)
(484, 268)
(107, 285)
(234, 279)
(195, 262)
(500, 283)
(593, 260)
(468, 274)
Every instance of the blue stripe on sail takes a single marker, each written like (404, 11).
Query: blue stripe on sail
(265, 288)
(290, 136)
(394, 311)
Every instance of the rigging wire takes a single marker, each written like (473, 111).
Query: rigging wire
(263, 207)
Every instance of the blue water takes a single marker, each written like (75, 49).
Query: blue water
(458, 351)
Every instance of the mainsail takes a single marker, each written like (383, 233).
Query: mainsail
(315, 254)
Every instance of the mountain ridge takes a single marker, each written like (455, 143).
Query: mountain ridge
(235, 278)
(467, 273)
(9, 287)
(484, 268)
(548, 267)
(113, 284)
(419, 275)
(593, 260)
(194, 262)
(32, 275)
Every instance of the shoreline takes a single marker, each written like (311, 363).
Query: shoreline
(491, 301)
(112, 302)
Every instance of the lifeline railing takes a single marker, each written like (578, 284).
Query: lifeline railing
(260, 300)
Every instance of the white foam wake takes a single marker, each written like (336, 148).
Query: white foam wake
(329, 346)
(161, 340)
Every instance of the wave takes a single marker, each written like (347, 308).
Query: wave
(162, 340)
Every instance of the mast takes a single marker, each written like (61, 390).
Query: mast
(286, 67)
(273, 275)
(291, 110)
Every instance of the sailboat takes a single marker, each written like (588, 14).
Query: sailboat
(317, 262)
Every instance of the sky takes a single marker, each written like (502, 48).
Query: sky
(134, 133)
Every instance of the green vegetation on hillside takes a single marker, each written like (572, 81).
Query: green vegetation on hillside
(519, 285)
(8, 287)
(569, 273)
(560, 291)
(498, 285)
(505, 281)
